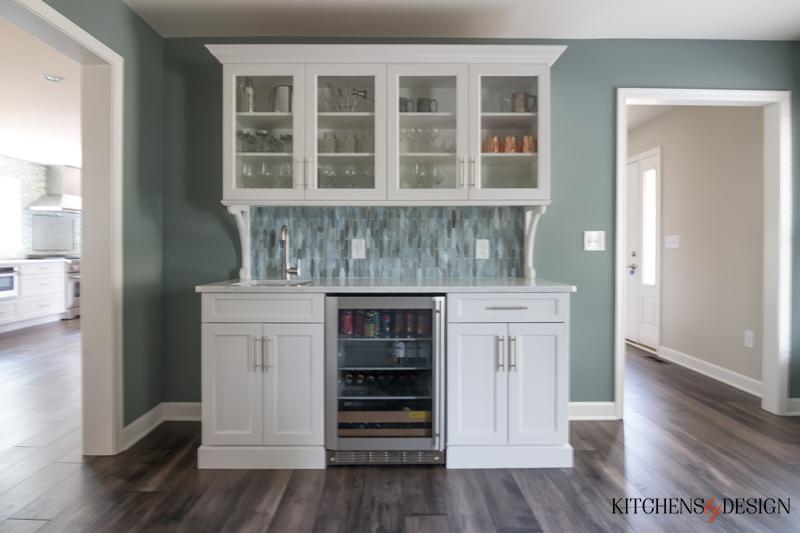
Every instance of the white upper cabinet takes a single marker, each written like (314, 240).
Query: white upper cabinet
(386, 124)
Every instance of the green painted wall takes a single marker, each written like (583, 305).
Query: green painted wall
(200, 240)
(113, 23)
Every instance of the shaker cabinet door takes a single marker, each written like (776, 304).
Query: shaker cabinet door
(232, 384)
(263, 155)
(477, 384)
(427, 135)
(345, 132)
(538, 383)
(509, 132)
(293, 388)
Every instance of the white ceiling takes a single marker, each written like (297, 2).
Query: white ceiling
(39, 119)
(561, 19)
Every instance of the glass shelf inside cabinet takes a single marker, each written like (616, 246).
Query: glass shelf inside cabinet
(509, 132)
(346, 132)
(264, 132)
(427, 107)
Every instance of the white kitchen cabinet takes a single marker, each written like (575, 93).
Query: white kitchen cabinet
(508, 389)
(293, 384)
(353, 144)
(477, 386)
(232, 384)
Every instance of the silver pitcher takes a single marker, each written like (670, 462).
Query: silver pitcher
(282, 98)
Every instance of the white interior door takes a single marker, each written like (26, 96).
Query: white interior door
(643, 236)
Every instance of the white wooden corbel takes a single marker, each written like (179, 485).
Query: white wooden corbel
(241, 213)
(532, 215)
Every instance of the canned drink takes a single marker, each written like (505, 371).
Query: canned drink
(386, 323)
(399, 353)
(411, 323)
(399, 323)
(369, 325)
(411, 353)
(375, 318)
(358, 324)
(346, 323)
(424, 323)
(424, 353)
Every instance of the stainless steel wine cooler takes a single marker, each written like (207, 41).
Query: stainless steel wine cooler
(384, 379)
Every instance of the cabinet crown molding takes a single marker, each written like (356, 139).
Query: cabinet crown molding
(385, 53)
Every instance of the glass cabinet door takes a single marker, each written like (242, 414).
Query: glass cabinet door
(264, 133)
(508, 106)
(346, 132)
(427, 134)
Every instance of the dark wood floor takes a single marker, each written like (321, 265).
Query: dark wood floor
(684, 435)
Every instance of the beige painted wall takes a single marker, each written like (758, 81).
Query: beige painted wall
(711, 196)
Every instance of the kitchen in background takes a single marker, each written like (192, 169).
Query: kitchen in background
(40, 208)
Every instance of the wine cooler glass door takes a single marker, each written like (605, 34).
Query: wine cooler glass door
(383, 373)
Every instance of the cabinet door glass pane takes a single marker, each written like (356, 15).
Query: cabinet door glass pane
(264, 132)
(345, 132)
(509, 140)
(427, 107)
(385, 373)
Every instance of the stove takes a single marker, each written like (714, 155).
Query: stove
(73, 289)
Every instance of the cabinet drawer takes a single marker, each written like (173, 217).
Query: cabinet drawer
(8, 311)
(40, 285)
(35, 269)
(41, 306)
(510, 307)
(244, 307)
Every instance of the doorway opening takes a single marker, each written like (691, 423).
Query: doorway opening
(101, 74)
(649, 181)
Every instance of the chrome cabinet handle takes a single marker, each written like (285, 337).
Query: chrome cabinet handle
(512, 353)
(461, 166)
(251, 352)
(299, 174)
(506, 307)
(472, 173)
(265, 354)
(500, 364)
(307, 173)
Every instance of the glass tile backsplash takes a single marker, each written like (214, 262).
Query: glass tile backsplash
(401, 242)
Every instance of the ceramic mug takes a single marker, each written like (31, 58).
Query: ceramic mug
(427, 105)
(406, 105)
(523, 102)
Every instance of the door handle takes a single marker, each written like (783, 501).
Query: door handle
(512, 353)
(500, 350)
(632, 267)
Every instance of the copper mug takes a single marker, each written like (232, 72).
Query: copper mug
(523, 102)
(492, 145)
(510, 144)
(527, 144)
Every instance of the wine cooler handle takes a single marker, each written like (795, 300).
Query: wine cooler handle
(500, 344)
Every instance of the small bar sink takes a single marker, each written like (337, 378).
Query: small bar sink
(271, 283)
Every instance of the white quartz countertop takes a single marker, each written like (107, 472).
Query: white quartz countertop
(6, 262)
(367, 285)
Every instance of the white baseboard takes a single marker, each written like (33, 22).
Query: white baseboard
(21, 324)
(729, 377)
(163, 412)
(592, 411)
(793, 407)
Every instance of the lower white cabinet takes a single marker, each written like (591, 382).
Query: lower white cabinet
(507, 395)
(263, 384)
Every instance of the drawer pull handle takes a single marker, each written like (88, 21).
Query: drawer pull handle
(506, 308)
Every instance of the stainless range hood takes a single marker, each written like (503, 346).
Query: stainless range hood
(63, 190)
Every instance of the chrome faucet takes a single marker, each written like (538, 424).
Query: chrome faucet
(288, 270)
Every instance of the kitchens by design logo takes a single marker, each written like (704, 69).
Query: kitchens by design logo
(710, 508)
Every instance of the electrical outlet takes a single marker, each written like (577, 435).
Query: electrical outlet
(358, 249)
(481, 248)
(672, 241)
(749, 339)
(594, 240)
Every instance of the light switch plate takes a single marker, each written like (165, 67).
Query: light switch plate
(749, 339)
(481, 248)
(672, 241)
(358, 249)
(594, 240)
